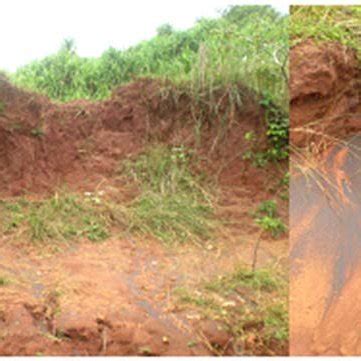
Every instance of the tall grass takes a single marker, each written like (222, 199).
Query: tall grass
(247, 44)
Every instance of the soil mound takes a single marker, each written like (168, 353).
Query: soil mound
(44, 144)
(325, 90)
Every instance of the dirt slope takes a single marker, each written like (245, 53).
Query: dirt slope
(325, 89)
(45, 144)
(325, 200)
(325, 256)
(115, 298)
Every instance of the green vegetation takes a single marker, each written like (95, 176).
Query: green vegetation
(266, 218)
(59, 218)
(259, 280)
(210, 62)
(2, 107)
(278, 130)
(247, 44)
(173, 204)
(327, 23)
(244, 302)
(277, 122)
(4, 281)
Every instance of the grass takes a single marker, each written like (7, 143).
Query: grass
(245, 302)
(341, 24)
(208, 62)
(173, 204)
(62, 217)
(327, 23)
(260, 280)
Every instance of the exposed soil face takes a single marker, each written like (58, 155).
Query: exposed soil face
(325, 91)
(45, 144)
(116, 298)
(325, 200)
(325, 255)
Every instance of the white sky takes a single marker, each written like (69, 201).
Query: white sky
(31, 29)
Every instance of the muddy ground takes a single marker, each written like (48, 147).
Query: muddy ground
(118, 297)
(325, 200)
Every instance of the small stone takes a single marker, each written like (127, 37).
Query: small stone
(229, 304)
(165, 339)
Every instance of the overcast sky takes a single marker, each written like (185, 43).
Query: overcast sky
(31, 29)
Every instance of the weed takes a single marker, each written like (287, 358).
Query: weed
(259, 159)
(266, 218)
(277, 123)
(241, 300)
(268, 207)
(260, 280)
(273, 225)
(2, 107)
(276, 321)
(285, 181)
(37, 132)
(277, 129)
(192, 343)
(4, 281)
(145, 351)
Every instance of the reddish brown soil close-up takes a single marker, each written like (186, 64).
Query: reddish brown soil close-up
(325, 201)
(325, 89)
(116, 297)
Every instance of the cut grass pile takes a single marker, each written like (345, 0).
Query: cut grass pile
(173, 204)
(60, 218)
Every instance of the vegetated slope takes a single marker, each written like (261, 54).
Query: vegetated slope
(188, 156)
(84, 144)
(247, 44)
(325, 93)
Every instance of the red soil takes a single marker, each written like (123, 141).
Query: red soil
(114, 297)
(325, 89)
(325, 200)
(45, 144)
